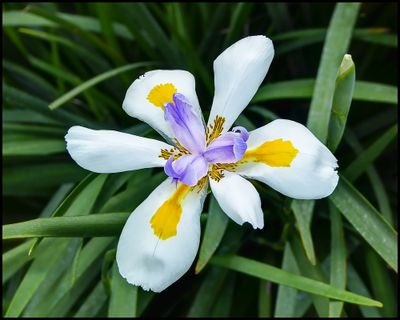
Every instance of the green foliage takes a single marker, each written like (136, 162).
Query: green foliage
(70, 64)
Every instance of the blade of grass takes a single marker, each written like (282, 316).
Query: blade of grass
(34, 147)
(302, 211)
(366, 220)
(335, 46)
(60, 267)
(355, 283)
(80, 201)
(276, 275)
(21, 180)
(94, 225)
(286, 298)
(238, 19)
(369, 155)
(376, 182)
(342, 97)
(338, 257)
(303, 88)
(208, 292)
(37, 273)
(93, 303)
(22, 100)
(264, 299)
(310, 271)
(14, 259)
(123, 299)
(30, 79)
(92, 82)
(14, 18)
(145, 21)
(70, 26)
(381, 283)
(217, 222)
(223, 305)
(59, 301)
(28, 116)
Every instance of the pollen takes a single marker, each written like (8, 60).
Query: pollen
(161, 94)
(275, 153)
(166, 219)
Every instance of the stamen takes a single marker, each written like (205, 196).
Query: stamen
(166, 154)
(216, 172)
(200, 185)
(215, 130)
(181, 148)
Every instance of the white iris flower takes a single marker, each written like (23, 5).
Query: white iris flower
(161, 237)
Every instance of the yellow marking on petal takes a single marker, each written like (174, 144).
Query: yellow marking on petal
(165, 221)
(161, 94)
(276, 153)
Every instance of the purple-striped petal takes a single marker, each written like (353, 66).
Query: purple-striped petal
(189, 169)
(227, 148)
(185, 124)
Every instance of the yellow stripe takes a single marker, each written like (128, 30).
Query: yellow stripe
(276, 153)
(161, 94)
(165, 221)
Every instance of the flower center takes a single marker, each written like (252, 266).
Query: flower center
(199, 152)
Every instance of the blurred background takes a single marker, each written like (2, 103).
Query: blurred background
(68, 64)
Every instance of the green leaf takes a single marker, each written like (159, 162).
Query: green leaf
(14, 259)
(376, 182)
(366, 220)
(63, 296)
(276, 275)
(93, 303)
(92, 82)
(217, 222)
(303, 210)
(94, 225)
(303, 88)
(13, 97)
(60, 267)
(33, 147)
(22, 18)
(335, 46)
(22, 180)
(338, 263)
(368, 156)
(264, 299)
(81, 200)
(223, 303)
(314, 272)
(286, 298)
(239, 16)
(341, 102)
(382, 283)
(123, 299)
(208, 292)
(37, 273)
(355, 283)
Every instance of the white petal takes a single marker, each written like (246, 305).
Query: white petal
(109, 151)
(238, 198)
(311, 174)
(144, 259)
(137, 105)
(238, 72)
